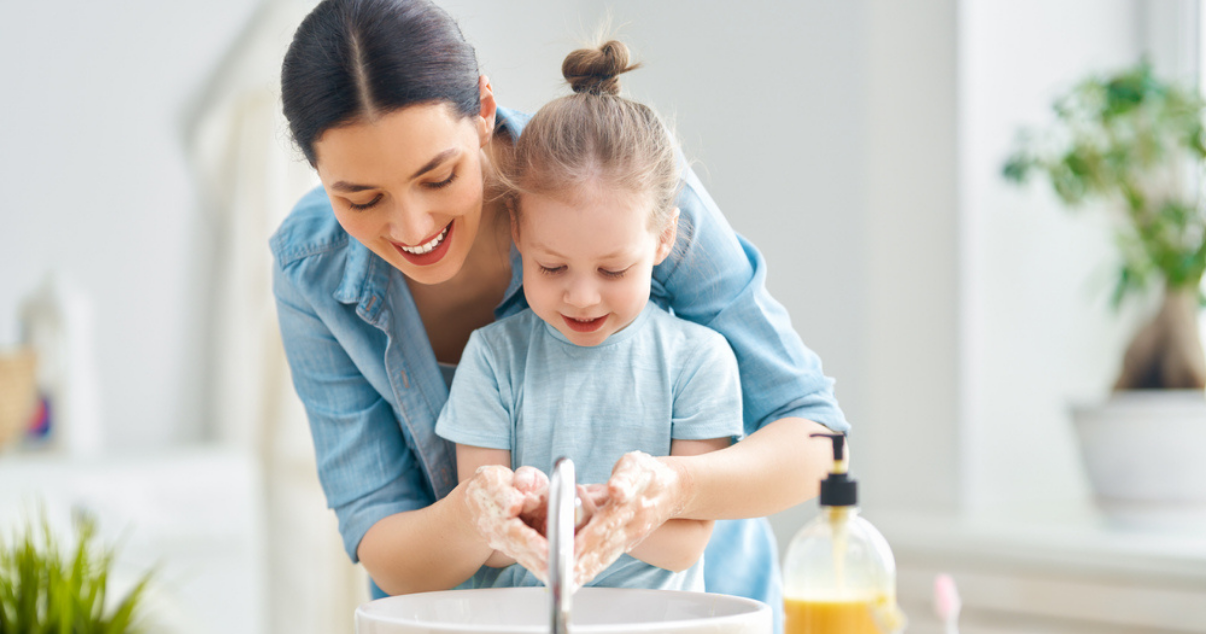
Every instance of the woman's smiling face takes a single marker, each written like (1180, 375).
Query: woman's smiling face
(408, 185)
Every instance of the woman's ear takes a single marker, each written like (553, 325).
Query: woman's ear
(666, 240)
(489, 110)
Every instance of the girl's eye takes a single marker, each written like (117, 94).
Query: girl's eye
(612, 274)
(370, 203)
(551, 270)
(442, 184)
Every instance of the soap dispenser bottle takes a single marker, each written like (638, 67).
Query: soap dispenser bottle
(839, 574)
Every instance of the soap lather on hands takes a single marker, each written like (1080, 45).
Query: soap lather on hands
(507, 505)
(512, 512)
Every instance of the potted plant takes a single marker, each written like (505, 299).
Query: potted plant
(44, 588)
(1134, 143)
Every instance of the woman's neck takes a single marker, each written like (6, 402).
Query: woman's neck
(451, 310)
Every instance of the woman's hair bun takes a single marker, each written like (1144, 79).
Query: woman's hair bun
(596, 70)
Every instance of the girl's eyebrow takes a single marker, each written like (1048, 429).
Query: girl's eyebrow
(435, 162)
(614, 254)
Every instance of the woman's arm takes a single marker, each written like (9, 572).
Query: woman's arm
(773, 469)
(432, 548)
(468, 460)
(718, 279)
(679, 543)
(388, 515)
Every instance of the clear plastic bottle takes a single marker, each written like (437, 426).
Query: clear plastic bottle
(839, 574)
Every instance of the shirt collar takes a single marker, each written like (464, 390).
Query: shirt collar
(365, 279)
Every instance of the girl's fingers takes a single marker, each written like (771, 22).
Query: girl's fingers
(525, 546)
(640, 496)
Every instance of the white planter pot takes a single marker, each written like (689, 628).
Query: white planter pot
(1145, 454)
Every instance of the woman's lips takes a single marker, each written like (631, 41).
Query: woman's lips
(589, 325)
(430, 257)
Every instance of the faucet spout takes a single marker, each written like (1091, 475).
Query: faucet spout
(562, 516)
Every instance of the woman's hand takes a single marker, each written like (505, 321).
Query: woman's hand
(641, 495)
(507, 505)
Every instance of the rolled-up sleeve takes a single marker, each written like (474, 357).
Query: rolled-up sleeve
(717, 278)
(367, 470)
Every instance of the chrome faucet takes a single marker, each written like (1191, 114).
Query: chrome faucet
(564, 509)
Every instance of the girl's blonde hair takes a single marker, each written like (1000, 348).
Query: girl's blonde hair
(597, 135)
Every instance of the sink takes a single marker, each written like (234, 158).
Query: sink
(595, 611)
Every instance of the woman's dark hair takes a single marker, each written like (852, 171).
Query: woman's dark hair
(354, 60)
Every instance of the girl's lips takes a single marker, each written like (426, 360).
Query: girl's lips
(431, 257)
(584, 326)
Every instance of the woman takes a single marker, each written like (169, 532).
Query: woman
(383, 272)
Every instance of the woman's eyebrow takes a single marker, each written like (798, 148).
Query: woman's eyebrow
(350, 188)
(435, 162)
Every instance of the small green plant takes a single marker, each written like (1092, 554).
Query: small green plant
(1135, 142)
(45, 588)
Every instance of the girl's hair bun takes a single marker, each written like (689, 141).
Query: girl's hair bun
(596, 70)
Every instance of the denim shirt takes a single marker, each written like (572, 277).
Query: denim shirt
(372, 388)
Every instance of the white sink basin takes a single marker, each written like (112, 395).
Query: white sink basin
(595, 611)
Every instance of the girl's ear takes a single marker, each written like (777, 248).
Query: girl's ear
(665, 242)
(489, 110)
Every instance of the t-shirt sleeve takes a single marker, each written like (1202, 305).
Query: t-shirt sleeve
(707, 393)
(475, 413)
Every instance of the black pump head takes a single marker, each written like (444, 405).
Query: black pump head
(838, 489)
(839, 443)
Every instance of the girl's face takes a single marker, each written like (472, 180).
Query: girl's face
(408, 185)
(588, 259)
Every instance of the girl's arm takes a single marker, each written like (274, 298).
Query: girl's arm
(679, 543)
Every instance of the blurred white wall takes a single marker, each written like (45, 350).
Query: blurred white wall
(1038, 331)
(95, 101)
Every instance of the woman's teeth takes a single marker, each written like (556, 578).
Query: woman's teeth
(427, 247)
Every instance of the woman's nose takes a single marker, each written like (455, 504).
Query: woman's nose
(581, 292)
(410, 223)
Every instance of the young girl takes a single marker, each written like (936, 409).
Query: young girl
(593, 370)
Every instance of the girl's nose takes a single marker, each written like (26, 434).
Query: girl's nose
(581, 292)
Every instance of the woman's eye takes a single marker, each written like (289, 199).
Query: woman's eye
(370, 203)
(612, 274)
(444, 183)
(551, 270)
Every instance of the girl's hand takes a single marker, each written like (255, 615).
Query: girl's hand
(506, 505)
(641, 495)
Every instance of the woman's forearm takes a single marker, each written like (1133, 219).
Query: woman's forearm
(775, 468)
(433, 548)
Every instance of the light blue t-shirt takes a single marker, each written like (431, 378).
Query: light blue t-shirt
(524, 387)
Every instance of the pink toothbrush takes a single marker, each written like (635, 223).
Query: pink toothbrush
(946, 602)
